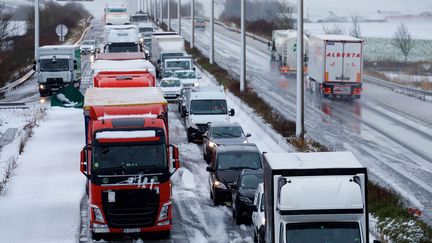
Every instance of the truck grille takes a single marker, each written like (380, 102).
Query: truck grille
(202, 127)
(131, 209)
(55, 80)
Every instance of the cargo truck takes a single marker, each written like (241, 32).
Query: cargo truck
(335, 66)
(284, 49)
(124, 79)
(57, 66)
(128, 162)
(166, 45)
(121, 38)
(116, 14)
(315, 197)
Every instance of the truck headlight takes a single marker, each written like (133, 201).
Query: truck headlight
(41, 86)
(219, 184)
(196, 84)
(163, 215)
(98, 214)
(211, 144)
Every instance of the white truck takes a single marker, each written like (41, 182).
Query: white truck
(116, 14)
(284, 49)
(121, 38)
(315, 197)
(146, 30)
(335, 66)
(58, 66)
(139, 17)
(164, 45)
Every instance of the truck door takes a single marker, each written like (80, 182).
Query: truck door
(352, 62)
(333, 66)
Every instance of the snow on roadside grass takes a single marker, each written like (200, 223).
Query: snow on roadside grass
(42, 199)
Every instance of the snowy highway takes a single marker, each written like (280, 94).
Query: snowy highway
(392, 141)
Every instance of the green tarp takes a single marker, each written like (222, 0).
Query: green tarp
(68, 97)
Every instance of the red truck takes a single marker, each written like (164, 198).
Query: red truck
(123, 79)
(128, 162)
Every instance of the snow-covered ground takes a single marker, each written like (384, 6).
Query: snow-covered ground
(402, 77)
(41, 201)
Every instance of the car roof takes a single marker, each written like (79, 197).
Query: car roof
(245, 147)
(225, 124)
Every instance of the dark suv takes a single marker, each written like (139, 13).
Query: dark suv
(243, 194)
(226, 164)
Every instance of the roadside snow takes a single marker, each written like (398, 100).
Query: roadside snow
(42, 199)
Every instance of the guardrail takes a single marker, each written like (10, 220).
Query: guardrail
(11, 86)
(413, 92)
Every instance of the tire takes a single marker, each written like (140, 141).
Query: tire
(238, 219)
(165, 234)
(97, 237)
(189, 139)
(234, 213)
(255, 237)
(215, 201)
(211, 195)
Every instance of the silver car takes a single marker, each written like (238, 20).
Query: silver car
(222, 134)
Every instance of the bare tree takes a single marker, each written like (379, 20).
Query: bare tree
(336, 30)
(355, 30)
(284, 17)
(403, 40)
(5, 24)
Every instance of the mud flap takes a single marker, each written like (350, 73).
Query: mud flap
(68, 97)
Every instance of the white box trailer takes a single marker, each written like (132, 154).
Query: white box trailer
(335, 65)
(315, 197)
(284, 49)
(166, 43)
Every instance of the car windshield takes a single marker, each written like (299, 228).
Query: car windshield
(208, 107)
(239, 160)
(131, 157)
(145, 29)
(116, 48)
(227, 132)
(185, 75)
(166, 83)
(167, 74)
(139, 18)
(117, 10)
(54, 65)
(185, 65)
(323, 233)
(251, 181)
(88, 42)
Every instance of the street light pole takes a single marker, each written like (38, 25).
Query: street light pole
(243, 47)
(36, 40)
(193, 23)
(161, 12)
(179, 16)
(211, 59)
(300, 74)
(169, 15)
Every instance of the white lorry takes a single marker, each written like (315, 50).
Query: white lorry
(284, 49)
(121, 38)
(335, 65)
(58, 66)
(116, 14)
(315, 197)
(164, 45)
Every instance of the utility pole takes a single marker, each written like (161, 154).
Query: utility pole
(300, 74)
(179, 16)
(243, 47)
(211, 59)
(36, 40)
(169, 14)
(193, 24)
(161, 12)
(154, 11)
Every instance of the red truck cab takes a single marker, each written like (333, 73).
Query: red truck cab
(124, 79)
(128, 162)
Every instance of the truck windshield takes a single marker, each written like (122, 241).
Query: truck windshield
(145, 29)
(323, 233)
(130, 157)
(238, 160)
(139, 18)
(122, 47)
(116, 10)
(54, 65)
(185, 65)
(208, 107)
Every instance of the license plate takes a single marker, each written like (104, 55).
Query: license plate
(342, 89)
(133, 230)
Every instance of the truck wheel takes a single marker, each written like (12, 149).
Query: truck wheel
(165, 234)
(96, 237)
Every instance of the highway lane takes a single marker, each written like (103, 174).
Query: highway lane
(393, 143)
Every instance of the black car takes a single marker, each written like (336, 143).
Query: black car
(243, 193)
(226, 164)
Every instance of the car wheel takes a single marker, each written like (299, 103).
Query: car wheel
(234, 214)
(189, 139)
(211, 195)
(238, 219)
(215, 201)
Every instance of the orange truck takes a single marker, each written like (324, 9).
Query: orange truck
(128, 162)
(123, 79)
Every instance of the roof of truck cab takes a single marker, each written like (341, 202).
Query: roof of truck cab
(123, 97)
(122, 65)
(318, 160)
(338, 38)
(120, 56)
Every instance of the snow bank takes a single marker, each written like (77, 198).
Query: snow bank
(42, 200)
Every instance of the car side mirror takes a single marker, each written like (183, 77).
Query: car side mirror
(232, 112)
(75, 66)
(254, 208)
(234, 186)
(34, 67)
(210, 169)
(158, 61)
(193, 69)
(248, 135)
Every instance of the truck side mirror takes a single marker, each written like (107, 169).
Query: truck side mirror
(232, 112)
(175, 155)
(34, 65)
(210, 169)
(158, 61)
(248, 135)
(83, 161)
